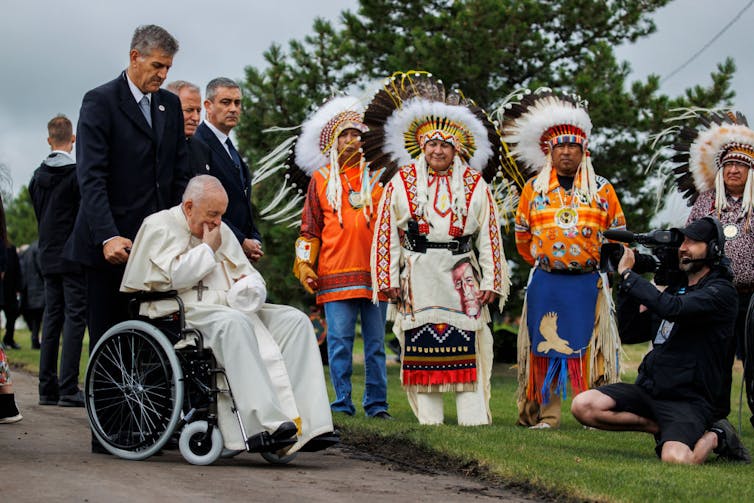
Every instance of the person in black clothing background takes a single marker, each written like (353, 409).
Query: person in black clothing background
(11, 287)
(8, 408)
(32, 291)
(55, 194)
(677, 394)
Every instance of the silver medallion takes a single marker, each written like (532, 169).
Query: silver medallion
(354, 199)
(730, 231)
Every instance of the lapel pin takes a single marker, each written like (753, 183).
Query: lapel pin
(162, 108)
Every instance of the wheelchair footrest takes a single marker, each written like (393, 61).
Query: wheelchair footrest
(283, 437)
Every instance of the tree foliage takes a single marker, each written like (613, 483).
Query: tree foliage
(487, 48)
(20, 219)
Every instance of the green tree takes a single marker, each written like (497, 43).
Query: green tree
(20, 219)
(487, 48)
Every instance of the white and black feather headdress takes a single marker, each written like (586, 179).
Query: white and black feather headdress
(533, 122)
(411, 105)
(703, 141)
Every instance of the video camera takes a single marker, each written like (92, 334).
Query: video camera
(663, 262)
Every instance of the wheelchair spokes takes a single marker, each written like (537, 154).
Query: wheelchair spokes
(131, 392)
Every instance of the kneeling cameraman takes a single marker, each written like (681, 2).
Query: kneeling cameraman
(684, 376)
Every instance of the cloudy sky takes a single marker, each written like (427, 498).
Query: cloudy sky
(52, 52)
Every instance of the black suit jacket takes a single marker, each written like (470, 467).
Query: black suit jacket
(239, 214)
(126, 170)
(199, 157)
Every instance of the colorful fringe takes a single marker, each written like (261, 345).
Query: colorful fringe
(437, 357)
(599, 365)
(544, 372)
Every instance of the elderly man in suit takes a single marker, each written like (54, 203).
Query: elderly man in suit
(131, 162)
(191, 104)
(222, 103)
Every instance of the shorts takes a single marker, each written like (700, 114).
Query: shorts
(682, 421)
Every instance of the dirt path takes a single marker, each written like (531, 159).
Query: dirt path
(46, 456)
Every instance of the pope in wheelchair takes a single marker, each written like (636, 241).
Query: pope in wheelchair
(266, 392)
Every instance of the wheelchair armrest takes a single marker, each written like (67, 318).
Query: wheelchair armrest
(144, 296)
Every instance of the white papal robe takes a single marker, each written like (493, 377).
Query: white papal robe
(269, 351)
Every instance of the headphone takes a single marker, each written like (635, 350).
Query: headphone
(716, 247)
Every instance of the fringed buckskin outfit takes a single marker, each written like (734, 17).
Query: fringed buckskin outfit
(437, 239)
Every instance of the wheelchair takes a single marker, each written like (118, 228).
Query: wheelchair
(140, 391)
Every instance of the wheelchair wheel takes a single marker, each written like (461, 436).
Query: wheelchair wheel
(196, 448)
(134, 390)
(277, 459)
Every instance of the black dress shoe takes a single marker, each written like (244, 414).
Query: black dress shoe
(48, 400)
(263, 442)
(11, 345)
(383, 415)
(75, 400)
(321, 442)
(284, 436)
(286, 430)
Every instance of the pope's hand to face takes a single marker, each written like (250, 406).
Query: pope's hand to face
(252, 249)
(212, 237)
(116, 250)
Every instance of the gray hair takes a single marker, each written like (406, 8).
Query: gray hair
(199, 185)
(217, 83)
(149, 37)
(176, 86)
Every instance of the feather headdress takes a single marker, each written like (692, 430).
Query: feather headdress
(413, 108)
(534, 122)
(312, 149)
(704, 141)
(316, 146)
(320, 132)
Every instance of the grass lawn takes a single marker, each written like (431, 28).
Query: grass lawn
(28, 359)
(571, 462)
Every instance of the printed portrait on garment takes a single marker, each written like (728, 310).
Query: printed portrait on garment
(466, 283)
(405, 303)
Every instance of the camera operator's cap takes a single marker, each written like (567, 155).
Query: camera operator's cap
(703, 229)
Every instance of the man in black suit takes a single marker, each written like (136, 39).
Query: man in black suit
(222, 103)
(131, 162)
(191, 104)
